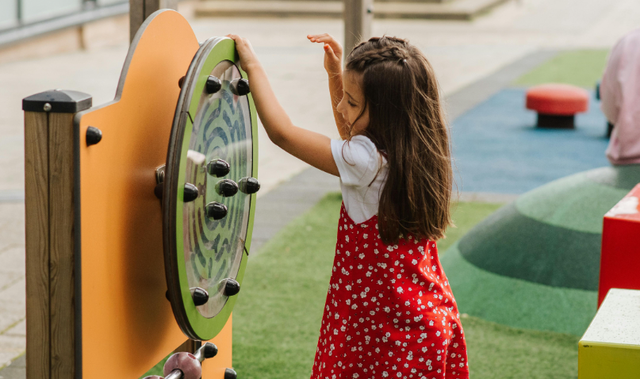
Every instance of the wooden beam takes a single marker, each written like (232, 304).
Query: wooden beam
(358, 17)
(50, 233)
(36, 148)
(61, 245)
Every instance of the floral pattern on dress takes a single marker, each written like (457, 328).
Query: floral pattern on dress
(389, 311)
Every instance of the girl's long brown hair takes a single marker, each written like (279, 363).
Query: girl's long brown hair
(407, 125)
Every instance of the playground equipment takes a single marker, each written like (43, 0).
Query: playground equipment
(620, 257)
(557, 104)
(610, 348)
(116, 278)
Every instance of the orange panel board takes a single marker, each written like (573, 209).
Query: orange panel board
(215, 367)
(126, 322)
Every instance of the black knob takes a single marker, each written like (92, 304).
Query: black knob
(158, 190)
(199, 295)
(240, 87)
(94, 135)
(216, 210)
(231, 287)
(249, 185)
(218, 168)
(181, 81)
(226, 187)
(213, 85)
(190, 193)
(210, 350)
(230, 374)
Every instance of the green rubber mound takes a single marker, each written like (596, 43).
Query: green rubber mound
(551, 235)
(562, 202)
(517, 303)
(510, 244)
(534, 264)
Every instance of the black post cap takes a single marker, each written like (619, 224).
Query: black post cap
(57, 101)
(230, 374)
(216, 210)
(231, 288)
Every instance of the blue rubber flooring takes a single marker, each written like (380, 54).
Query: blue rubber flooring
(497, 148)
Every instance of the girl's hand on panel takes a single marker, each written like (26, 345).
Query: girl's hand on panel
(248, 58)
(332, 52)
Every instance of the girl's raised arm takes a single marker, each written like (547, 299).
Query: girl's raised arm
(311, 147)
(333, 66)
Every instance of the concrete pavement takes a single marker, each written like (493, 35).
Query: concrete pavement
(461, 53)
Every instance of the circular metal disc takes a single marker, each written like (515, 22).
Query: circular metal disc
(200, 251)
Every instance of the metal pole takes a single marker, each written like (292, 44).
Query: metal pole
(358, 17)
(139, 10)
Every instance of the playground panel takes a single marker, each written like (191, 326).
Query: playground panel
(123, 306)
(96, 282)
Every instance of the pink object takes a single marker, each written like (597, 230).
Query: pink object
(185, 362)
(620, 94)
(557, 99)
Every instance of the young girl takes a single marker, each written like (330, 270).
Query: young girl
(389, 311)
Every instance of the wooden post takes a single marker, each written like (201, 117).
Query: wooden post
(358, 17)
(49, 216)
(139, 10)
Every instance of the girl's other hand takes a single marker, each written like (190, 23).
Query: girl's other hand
(332, 52)
(248, 58)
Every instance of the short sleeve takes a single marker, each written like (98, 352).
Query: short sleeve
(358, 160)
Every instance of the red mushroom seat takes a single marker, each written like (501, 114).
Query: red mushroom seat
(557, 104)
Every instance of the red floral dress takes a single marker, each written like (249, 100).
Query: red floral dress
(389, 311)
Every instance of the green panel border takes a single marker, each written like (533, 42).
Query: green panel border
(208, 328)
(517, 303)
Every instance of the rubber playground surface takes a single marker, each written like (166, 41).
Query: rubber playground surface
(497, 147)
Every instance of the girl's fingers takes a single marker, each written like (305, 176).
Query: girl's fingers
(325, 38)
(329, 51)
(317, 37)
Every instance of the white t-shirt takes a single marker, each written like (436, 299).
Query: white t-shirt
(363, 172)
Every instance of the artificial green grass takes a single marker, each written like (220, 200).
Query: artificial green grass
(582, 68)
(278, 314)
(515, 302)
(497, 351)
